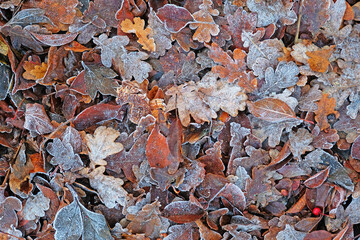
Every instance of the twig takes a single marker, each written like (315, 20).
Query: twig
(298, 24)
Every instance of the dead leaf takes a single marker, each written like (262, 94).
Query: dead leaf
(271, 110)
(325, 108)
(183, 212)
(138, 27)
(174, 17)
(55, 39)
(355, 149)
(99, 79)
(319, 60)
(300, 142)
(102, 144)
(60, 12)
(318, 179)
(108, 187)
(64, 155)
(34, 70)
(230, 69)
(157, 149)
(74, 221)
(35, 207)
(95, 114)
(36, 120)
(271, 12)
(183, 231)
(204, 23)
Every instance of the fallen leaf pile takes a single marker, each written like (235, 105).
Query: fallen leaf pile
(179, 119)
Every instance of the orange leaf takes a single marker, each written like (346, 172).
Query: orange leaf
(298, 206)
(232, 69)
(319, 60)
(349, 13)
(157, 149)
(205, 25)
(34, 70)
(325, 107)
(271, 110)
(138, 27)
(38, 163)
(61, 12)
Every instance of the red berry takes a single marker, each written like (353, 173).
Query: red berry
(284, 192)
(316, 211)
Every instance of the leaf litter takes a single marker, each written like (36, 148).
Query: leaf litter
(170, 120)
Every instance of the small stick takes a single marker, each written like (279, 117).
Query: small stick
(298, 24)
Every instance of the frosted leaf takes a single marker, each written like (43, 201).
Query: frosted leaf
(132, 65)
(284, 76)
(36, 206)
(108, 187)
(102, 144)
(273, 11)
(300, 142)
(63, 154)
(74, 220)
(264, 55)
(289, 233)
(111, 48)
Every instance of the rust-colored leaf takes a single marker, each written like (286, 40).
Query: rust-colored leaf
(157, 149)
(34, 70)
(205, 25)
(318, 179)
(298, 206)
(271, 110)
(183, 212)
(174, 17)
(232, 69)
(55, 39)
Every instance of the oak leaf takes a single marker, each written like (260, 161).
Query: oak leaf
(147, 221)
(34, 70)
(300, 142)
(99, 79)
(108, 187)
(284, 76)
(35, 206)
(204, 99)
(231, 69)
(138, 27)
(205, 25)
(183, 231)
(325, 107)
(102, 144)
(319, 60)
(239, 22)
(64, 155)
(272, 12)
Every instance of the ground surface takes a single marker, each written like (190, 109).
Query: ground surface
(183, 119)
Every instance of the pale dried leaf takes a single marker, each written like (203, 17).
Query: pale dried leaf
(35, 206)
(102, 144)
